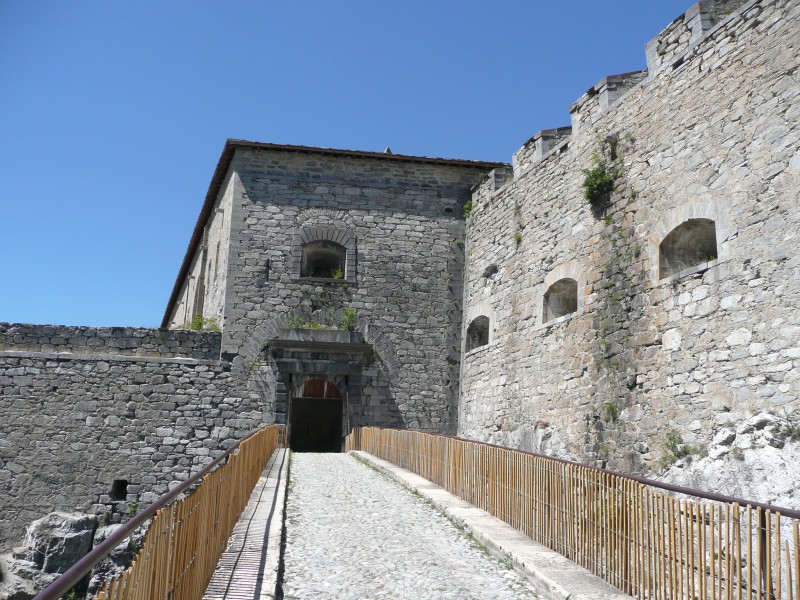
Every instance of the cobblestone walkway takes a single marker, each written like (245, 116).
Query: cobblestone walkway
(354, 534)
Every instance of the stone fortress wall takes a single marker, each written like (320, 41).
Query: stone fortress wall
(707, 134)
(121, 341)
(83, 408)
(202, 291)
(401, 225)
(644, 366)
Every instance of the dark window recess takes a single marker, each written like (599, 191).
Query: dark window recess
(691, 243)
(119, 489)
(490, 270)
(478, 333)
(560, 299)
(323, 259)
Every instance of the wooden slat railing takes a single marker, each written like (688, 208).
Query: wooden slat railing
(187, 536)
(633, 532)
(186, 539)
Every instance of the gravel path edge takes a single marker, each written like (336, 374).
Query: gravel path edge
(555, 577)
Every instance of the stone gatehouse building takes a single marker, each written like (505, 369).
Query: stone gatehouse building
(335, 266)
(338, 288)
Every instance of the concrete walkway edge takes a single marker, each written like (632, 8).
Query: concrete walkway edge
(555, 576)
(249, 568)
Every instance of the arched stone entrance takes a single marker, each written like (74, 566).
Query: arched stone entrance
(315, 417)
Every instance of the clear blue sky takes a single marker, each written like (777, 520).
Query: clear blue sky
(113, 114)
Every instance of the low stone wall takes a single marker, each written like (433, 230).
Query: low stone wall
(74, 425)
(126, 341)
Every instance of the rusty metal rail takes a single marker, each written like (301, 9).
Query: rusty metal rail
(625, 529)
(187, 536)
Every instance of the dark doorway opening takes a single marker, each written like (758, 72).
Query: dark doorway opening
(315, 418)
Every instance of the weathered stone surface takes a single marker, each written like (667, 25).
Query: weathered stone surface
(646, 357)
(761, 459)
(120, 557)
(20, 580)
(57, 541)
(71, 429)
(53, 544)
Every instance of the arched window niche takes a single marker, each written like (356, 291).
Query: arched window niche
(323, 252)
(690, 244)
(477, 333)
(322, 258)
(560, 299)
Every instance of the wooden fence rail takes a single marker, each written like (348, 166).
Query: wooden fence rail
(645, 541)
(186, 538)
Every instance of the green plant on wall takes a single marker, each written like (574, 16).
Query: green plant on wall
(295, 322)
(790, 432)
(72, 595)
(347, 320)
(675, 448)
(610, 412)
(518, 237)
(468, 208)
(200, 323)
(598, 182)
(337, 273)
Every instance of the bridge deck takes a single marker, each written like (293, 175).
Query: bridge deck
(352, 533)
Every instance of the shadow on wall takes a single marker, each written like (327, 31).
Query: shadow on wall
(691, 243)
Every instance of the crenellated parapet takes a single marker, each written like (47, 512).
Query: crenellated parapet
(538, 146)
(601, 96)
(671, 47)
(687, 31)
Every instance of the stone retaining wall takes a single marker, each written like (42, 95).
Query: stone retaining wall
(73, 425)
(127, 341)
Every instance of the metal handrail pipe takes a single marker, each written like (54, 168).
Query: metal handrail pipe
(76, 572)
(786, 512)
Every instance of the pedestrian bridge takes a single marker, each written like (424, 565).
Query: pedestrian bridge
(347, 528)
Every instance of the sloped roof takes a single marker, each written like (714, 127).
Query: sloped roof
(222, 169)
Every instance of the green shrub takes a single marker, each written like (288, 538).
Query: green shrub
(347, 320)
(598, 181)
(200, 323)
(295, 322)
(675, 449)
(611, 412)
(597, 184)
(788, 433)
